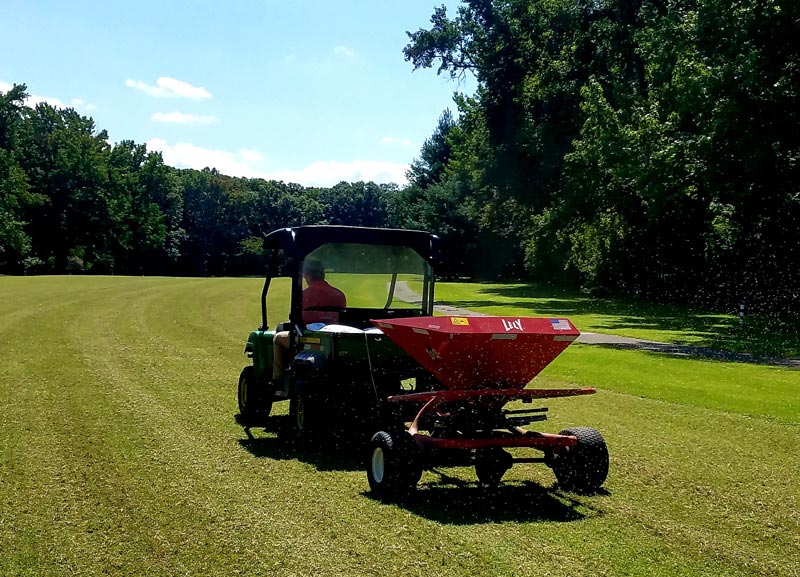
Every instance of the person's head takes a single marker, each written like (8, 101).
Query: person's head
(313, 270)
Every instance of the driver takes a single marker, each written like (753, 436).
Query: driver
(317, 294)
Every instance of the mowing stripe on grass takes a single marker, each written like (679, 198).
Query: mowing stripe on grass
(120, 455)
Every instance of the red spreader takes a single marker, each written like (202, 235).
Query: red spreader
(481, 352)
(481, 364)
(482, 361)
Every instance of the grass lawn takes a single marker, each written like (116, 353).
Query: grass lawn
(664, 323)
(120, 455)
(369, 290)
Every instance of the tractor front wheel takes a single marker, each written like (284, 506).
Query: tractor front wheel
(255, 401)
(394, 466)
(583, 467)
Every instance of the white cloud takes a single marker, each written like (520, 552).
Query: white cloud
(328, 173)
(33, 99)
(185, 155)
(81, 105)
(399, 141)
(243, 163)
(167, 87)
(250, 155)
(345, 51)
(181, 118)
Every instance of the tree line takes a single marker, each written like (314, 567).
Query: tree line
(633, 147)
(72, 202)
(644, 147)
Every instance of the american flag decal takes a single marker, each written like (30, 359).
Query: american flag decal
(560, 324)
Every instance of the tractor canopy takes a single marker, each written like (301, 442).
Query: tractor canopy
(378, 270)
(298, 242)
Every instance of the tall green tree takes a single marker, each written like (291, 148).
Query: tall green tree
(66, 163)
(146, 204)
(633, 146)
(15, 195)
(429, 168)
(355, 204)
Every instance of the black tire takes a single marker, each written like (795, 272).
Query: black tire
(297, 417)
(584, 467)
(394, 466)
(304, 417)
(255, 400)
(491, 464)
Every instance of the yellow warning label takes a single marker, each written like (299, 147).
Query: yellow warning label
(461, 321)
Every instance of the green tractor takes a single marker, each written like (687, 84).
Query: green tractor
(337, 373)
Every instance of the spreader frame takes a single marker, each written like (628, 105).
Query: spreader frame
(517, 438)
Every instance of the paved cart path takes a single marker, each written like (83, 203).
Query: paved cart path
(405, 293)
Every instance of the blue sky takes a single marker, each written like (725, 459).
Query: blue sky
(308, 91)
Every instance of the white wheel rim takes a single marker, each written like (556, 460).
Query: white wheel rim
(377, 464)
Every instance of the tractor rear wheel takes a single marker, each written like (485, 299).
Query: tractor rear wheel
(255, 400)
(491, 464)
(583, 467)
(394, 466)
(303, 417)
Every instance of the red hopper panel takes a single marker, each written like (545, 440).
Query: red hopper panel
(481, 352)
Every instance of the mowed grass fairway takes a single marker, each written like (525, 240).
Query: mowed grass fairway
(120, 454)
(761, 334)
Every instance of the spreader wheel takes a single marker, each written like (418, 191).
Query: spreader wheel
(584, 467)
(394, 466)
(254, 401)
(491, 464)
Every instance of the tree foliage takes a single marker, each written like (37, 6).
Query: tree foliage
(644, 147)
(429, 168)
(71, 202)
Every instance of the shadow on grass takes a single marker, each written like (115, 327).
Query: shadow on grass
(450, 500)
(332, 453)
(760, 336)
(456, 502)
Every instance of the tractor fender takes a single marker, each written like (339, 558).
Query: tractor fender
(249, 346)
(259, 348)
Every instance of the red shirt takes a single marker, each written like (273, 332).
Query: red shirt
(320, 294)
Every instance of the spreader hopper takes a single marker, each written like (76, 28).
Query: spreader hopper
(481, 352)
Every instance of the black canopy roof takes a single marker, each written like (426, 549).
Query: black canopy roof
(299, 241)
